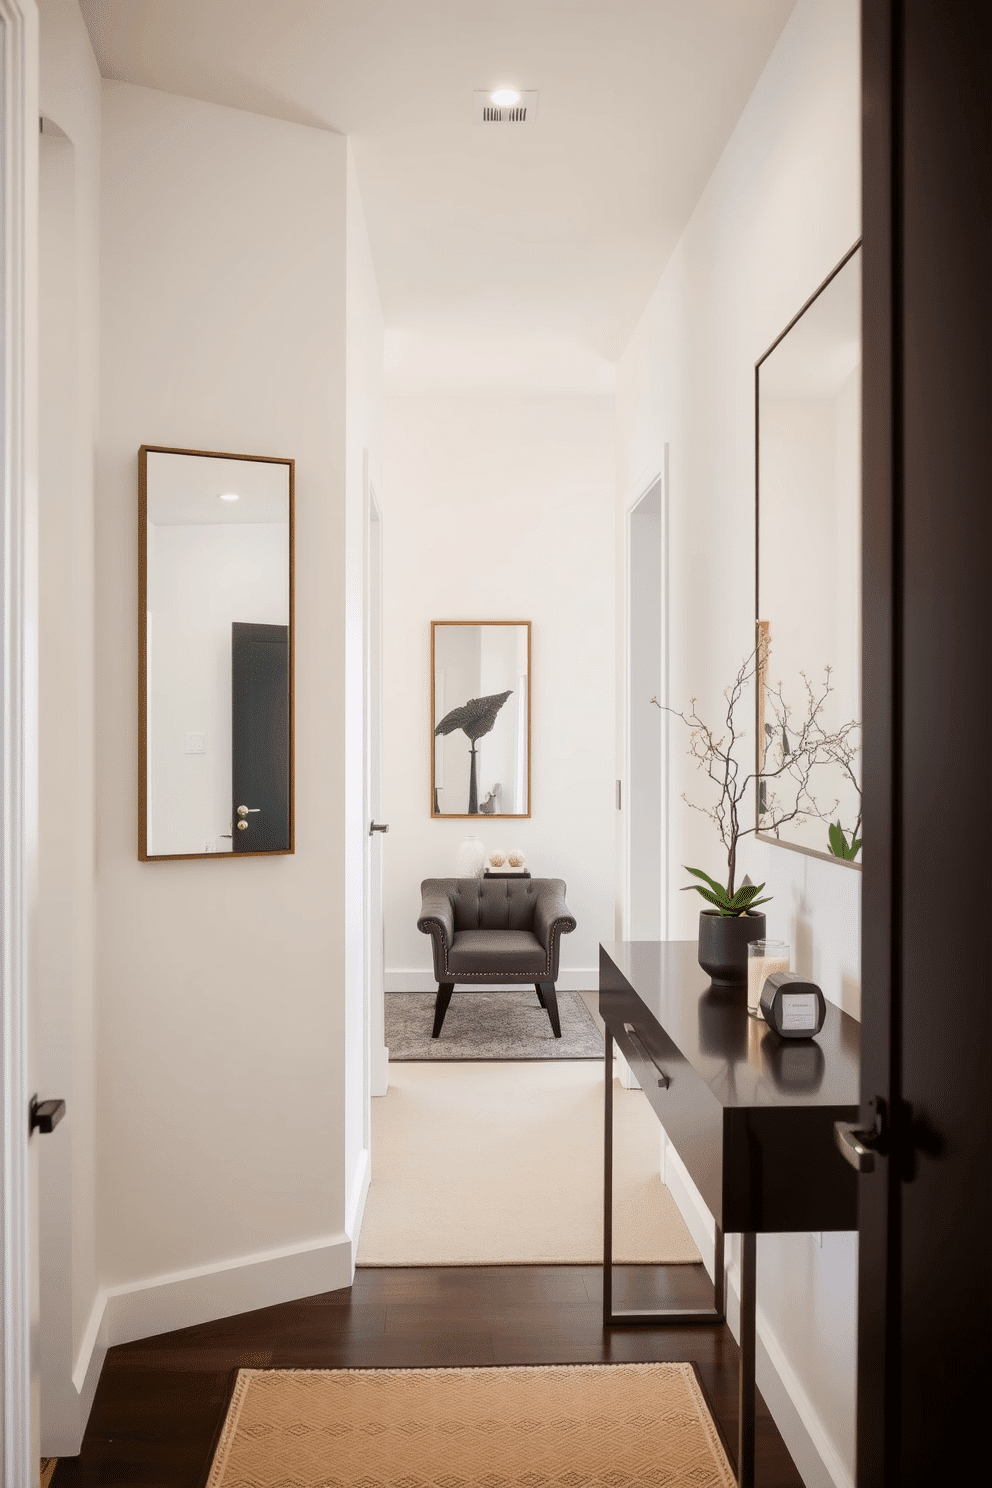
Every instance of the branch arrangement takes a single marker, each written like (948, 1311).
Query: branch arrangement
(795, 744)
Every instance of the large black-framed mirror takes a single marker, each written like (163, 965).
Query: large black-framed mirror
(215, 622)
(808, 578)
(480, 718)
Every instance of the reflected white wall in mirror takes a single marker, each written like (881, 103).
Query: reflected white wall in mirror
(480, 712)
(216, 612)
(809, 538)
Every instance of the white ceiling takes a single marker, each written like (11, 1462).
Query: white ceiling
(184, 490)
(505, 257)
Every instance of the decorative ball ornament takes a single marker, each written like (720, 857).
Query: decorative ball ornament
(497, 859)
(517, 859)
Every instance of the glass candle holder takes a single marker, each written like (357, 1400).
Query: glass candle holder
(764, 958)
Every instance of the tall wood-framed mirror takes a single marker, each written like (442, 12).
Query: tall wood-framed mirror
(215, 622)
(480, 718)
(808, 525)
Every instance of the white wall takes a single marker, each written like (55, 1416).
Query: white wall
(222, 1010)
(781, 209)
(502, 509)
(62, 1006)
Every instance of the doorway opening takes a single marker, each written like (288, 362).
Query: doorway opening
(645, 810)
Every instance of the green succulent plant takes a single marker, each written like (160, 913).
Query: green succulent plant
(730, 906)
(840, 845)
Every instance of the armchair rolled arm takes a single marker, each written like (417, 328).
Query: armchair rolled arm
(552, 916)
(436, 913)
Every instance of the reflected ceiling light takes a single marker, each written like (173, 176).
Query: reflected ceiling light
(505, 97)
(229, 496)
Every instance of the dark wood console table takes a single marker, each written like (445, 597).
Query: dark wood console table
(750, 1115)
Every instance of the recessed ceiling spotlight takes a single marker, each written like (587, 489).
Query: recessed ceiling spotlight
(229, 496)
(504, 106)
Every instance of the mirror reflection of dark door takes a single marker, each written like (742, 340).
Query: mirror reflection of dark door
(260, 737)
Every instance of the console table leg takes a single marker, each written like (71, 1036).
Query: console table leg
(608, 1183)
(745, 1437)
(718, 1264)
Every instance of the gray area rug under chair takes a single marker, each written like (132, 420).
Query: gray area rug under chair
(489, 1025)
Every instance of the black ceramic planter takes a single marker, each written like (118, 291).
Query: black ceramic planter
(723, 943)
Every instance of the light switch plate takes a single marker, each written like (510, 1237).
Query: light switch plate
(196, 743)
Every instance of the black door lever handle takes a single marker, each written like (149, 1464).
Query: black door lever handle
(855, 1145)
(46, 1115)
(858, 1143)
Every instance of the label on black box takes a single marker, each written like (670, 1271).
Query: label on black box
(798, 1011)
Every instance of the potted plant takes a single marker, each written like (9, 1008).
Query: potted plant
(726, 930)
(784, 794)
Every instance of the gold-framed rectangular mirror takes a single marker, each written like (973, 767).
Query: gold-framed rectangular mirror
(215, 684)
(480, 718)
(808, 533)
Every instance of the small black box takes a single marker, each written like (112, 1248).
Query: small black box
(793, 1006)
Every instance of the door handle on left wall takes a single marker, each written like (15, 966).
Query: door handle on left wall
(45, 1115)
(375, 826)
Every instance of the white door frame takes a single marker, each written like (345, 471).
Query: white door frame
(19, 1425)
(378, 1054)
(659, 477)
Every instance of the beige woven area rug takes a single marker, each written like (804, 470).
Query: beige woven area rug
(563, 1426)
(502, 1164)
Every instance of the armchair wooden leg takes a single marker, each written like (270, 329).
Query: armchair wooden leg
(444, 991)
(546, 992)
(540, 994)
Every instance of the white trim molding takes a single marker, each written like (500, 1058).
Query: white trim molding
(181, 1299)
(356, 1206)
(19, 1427)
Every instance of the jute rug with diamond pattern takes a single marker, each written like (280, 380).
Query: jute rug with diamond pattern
(560, 1426)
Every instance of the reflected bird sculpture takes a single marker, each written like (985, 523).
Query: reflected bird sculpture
(475, 718)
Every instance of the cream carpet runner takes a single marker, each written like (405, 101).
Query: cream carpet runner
(563, 1426)
(502, 1164)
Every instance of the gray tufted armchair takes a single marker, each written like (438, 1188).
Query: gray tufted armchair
(495, 930)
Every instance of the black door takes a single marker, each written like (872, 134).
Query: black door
(925, 1318)
(260, 738)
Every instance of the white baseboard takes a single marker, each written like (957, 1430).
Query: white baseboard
(792, 1410)
(356, 1205)
(68, 1402)
(92, 1352)
(180, 1300)
(570, 979)
(380, 1070)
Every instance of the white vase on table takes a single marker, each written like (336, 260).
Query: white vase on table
(471, 857)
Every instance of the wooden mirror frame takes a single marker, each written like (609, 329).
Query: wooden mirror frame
(143, 854)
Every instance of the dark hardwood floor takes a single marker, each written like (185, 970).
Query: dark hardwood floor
(160, 1402)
